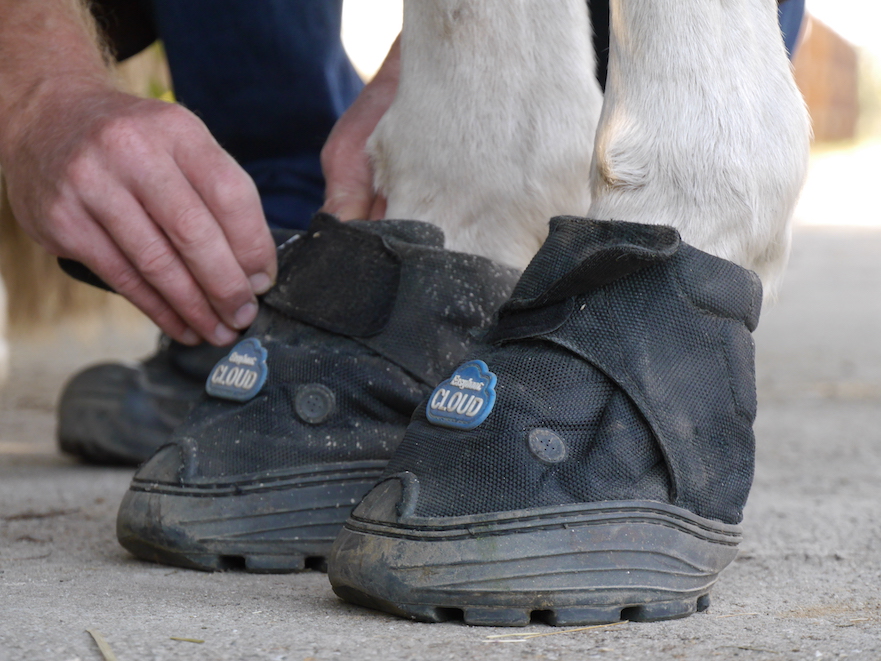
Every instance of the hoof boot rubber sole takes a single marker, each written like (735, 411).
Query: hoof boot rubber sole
(513, 617)
(263, 527)
(568, 565)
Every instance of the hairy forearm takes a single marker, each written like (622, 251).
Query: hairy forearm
(48, 50)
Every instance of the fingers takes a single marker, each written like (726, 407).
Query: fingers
(348, 173)
(127, 281)
(231, 197)
(157, 263)
(191, 223)
(140, 192)
(186, 250)
(378, 208)
(349, 203)
(349, 193)
(94, 247)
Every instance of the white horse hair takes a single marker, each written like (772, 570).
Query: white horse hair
(493, 127)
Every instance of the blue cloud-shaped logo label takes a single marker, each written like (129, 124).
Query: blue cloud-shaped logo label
(465, 399)
(240, 375)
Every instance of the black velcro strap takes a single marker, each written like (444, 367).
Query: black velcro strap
(79, 271)
(128, 25)
(530, 322)
(579, 256)
(338, 277)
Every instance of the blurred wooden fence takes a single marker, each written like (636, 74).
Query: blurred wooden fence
(827, 72)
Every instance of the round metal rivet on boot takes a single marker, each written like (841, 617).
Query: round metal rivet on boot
(314, 403)
(547, 446)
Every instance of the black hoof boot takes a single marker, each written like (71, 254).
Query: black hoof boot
(302, 416)
(591, 462)
(121, 413)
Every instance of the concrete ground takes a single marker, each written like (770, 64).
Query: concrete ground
(806, 585)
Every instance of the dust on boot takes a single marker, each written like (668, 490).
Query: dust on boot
(591, 462)
(302, 416)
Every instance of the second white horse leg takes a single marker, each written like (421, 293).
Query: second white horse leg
(491, 132)
(703, 128)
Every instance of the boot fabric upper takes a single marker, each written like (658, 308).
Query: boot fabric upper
(624, 368)
(365, 318)
(121, 413)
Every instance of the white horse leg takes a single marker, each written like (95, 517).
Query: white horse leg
(491, 132)
(703, 128)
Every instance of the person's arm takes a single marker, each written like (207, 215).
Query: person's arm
(349, 193)
(136, 189)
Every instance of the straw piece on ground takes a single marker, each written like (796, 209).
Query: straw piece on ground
(102, 644)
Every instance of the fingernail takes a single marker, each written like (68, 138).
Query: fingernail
(190, 338)
(224, 335)
(260, 283)
(245, 315)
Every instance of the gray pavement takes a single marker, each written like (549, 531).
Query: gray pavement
(806, 585)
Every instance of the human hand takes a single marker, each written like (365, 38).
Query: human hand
(349, 192)
(141, 193)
